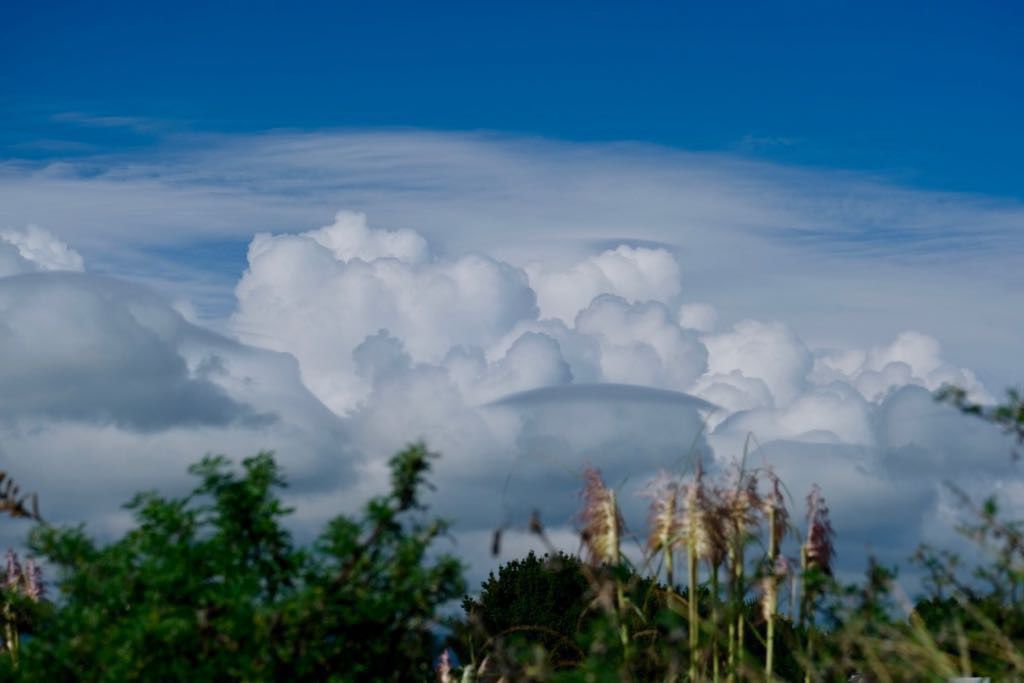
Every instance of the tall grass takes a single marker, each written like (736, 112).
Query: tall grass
(738, 526)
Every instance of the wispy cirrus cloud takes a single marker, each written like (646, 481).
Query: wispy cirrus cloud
(135, 123)
(838, 255)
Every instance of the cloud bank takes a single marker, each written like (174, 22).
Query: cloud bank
(108, 390)
(843, 258)
(526, 307)
(517, 373)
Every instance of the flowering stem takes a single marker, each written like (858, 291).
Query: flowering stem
(731, 671)
(615, 559)
(740, 621)
(10, 634)
(714, 622)
(691, 566)
(772, 595)
(805, 607)
(669, 576)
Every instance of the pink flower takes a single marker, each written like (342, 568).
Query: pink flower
(27, 580)
(33, 577)
(14, 572)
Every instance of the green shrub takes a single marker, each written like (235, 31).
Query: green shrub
(211, 587)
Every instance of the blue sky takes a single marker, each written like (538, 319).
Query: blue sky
(332, 228)
(930, 94)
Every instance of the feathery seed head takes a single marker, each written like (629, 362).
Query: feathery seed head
(698, 523)
(665, 521)
(27, 580)
(776, 573)
(818, 548)
(33, 580)
(774, 507)
(12, 578)
(736, 507)
(600, 517)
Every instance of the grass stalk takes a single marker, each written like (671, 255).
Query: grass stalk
(669, 576)
(739, 578)
(771, 594)
(731, 583)
(693, 614)
(715, 673)
(805, 606)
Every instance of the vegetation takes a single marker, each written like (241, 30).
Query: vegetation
(211, 587)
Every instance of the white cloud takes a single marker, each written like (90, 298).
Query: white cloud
(349, 237)
(912, 358)
(12, 262)
(770, 352)
(642, 344)
(635, 274)
(320, 302)
(81, 348)
(109, 391)
(32, 249)
(699, 317)
(844, 259)
(834, 413)
(825, 415)
(504, 267)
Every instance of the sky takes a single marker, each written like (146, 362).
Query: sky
(535, 235)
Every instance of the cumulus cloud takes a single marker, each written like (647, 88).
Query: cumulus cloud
(770, 352)
(320, 294)
(699, 317)
(349, 238)
(492, 308)
(642, 344)
(844, 258)
(82, 348)
(12, 262)
(108, 391)
(635, 274)
(912, 358)
(34, 249)
(518, 401)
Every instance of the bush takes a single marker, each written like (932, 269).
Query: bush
(533, 600)
(211, 587)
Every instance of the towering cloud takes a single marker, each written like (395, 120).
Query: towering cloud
(404, 344)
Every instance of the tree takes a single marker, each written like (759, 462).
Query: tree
(533, 600)
(211, 586)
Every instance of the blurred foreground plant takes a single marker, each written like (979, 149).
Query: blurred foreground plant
(970, 621)
(212, 587)
(21, 588)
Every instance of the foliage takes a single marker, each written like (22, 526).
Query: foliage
(533, 600)
(212, 586)
(633, 628)
(1008, 415)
